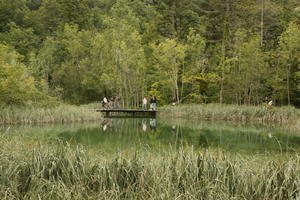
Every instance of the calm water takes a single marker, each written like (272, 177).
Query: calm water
(114, 135)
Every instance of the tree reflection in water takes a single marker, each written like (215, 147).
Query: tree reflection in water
(154, 133)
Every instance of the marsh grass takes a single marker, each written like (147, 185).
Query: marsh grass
(48, 171)
(280, 115)
(55, 114)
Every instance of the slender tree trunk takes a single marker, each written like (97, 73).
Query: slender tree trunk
(173, 19)
(177, 92)
(223, 70)
(182, 81)
(128, 84)
(121, 97)
(118, 84)
(262, 22)
(288, 84)
(129, 92)
(222, 87)
(175, 79)
(47, 81)
(137, 92)
(224, 51)
(250, 94)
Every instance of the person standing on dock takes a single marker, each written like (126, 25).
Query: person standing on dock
(144, 107)
(105, 102)
(110, 104)
(270, 104)
(114, 102)
(153, 102)
(117, 102)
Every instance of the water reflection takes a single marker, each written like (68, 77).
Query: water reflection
(124, 134)
(144, 125)
(106, 124)
(134, 133)
(153, 125)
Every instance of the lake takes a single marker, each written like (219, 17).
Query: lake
(131, 134)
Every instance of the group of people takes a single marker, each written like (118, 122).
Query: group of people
(113, 103)
(153, 102)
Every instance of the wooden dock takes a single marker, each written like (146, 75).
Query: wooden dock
(132, 113)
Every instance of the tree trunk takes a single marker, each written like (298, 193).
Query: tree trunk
(221, 89)
(182, 81)
(225, 25)
(223, 70)
(177, 92)
(262, 23)
(288, 84)
(173, 19)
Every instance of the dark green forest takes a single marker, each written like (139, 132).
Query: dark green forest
(189, 51)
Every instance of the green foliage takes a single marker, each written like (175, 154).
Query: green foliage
(16, 84)
(288, 58)
(126, 53)
(247, 72)
(195, 75)
(22, 39)
(56, 13)
(169, 57)
(240, 52)
(12, 11)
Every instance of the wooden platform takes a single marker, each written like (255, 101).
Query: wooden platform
(132, 113)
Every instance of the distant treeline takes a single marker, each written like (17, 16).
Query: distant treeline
(188, 51)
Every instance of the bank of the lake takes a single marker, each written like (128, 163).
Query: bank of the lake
(288, 116)
(62, 113)
(32, 170)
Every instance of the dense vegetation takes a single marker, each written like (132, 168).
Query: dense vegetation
(12, 115)
(287, 115)
(57, 171)
(77, 51)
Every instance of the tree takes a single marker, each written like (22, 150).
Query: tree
(126, 53)
(170, 56)
(11, 11)
(288, 55)
(56, 13)
(22, 39)
(195, 72)
(17, 86)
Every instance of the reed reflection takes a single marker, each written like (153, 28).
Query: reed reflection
(135, 133)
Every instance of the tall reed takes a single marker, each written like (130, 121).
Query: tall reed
(33, 115)
(60, 172)
(282, 115)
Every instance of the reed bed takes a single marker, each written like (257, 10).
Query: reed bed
(282, 115)
(55, 114)
(35, 171)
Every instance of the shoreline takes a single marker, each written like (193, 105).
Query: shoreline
(60, 114)
(286, 116)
